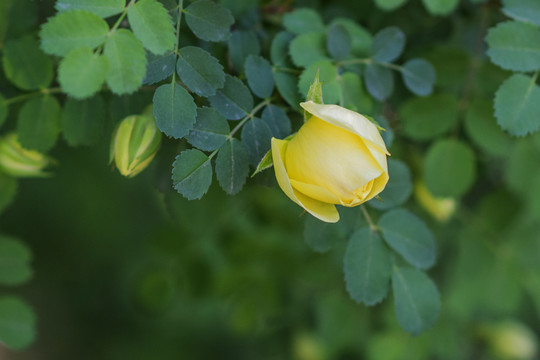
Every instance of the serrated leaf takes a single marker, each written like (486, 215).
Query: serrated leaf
(15, 259)
(339, 42)
(367, 267)
(256, 137)
(277, 120)
(152, 24)
(82, 73)
(17, 323)
(242, 43)
(308, 48)
(232, 166)
(208, 20)
(25, 65)
(83, 121)
(174, 110)
(279, 50)
(449, 168)
(38, 123)
(388, 44)
(3, 109)
(379, 81)
(389, 5)
(234, 100)
(303, 20)
(397, 190)
(409, 236)
(102, 8)
(517, 105)
(419, 76)
(158, 68)
(200, 72)
(210, 130)
(8, 191)
(425, 118)
(353, 95)
(440, 7)
(328, 75)
(287, 85)
(514, 46)
(72, 29)
(192, 174)
(259, 76)
(127, 62)
(523, 10)
(361, 38)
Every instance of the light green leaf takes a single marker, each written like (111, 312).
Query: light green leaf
(158, 68)
(17, 323)
(234, 100)
(38, 123)
(353, 95)
(523, 10)
(192, 174)
(514, 46)
(200, 72)
(210, 130)
(379, 81)
(361, 38)
(277, 120)
(174, 110)
(286, 83)
(83, 121)
(409, 236)
(72, 29)
(328, 75)
(8, 191)
(339, 42)
(259, 76)
(242, 43)
(388, 44)
(102, 8)
(517, 105)
(232, 166)
(15, 259)
(308, 48)
(419, 76)
(152, 24)
(398, 189)
(449, 168)
(440, 7)
(416, 299)
(25, 65)
(208, 20)
(279, 50)
(303, 20)
(389, 5)
(127, 62)
(3, 110)
(266, 163)
(82, 73)
(367, 267)
(256, 137)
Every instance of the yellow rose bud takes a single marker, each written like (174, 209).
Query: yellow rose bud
(337, 157)
(19, 162)
(134, 144)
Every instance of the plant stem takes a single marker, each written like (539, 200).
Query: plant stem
(180, 8)
(372, 225)
(30, 95)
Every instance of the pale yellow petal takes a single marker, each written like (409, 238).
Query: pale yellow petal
(315, 192)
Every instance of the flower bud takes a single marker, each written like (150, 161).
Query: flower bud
(441, 209)
(19, 162)
(134, 144)
(337, 157)
(511, 340)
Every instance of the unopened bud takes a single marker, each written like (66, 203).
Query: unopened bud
(18, 162)
(440, 208)
(511, 340)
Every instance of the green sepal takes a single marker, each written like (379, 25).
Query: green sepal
(314, 94)
(268, 161)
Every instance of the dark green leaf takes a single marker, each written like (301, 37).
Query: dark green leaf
(523, 10)
(127, 105)
(259, 76)
(308, 48)
(201, 72)
(242, 43)
(389, 5)
(174, 110)
(83, 121)
(256, 138)
(208, 20)
(82, 73)
(234, 100)
(328, 75)
(419, 76)
(102, 8)
(17, 323)
(279, 51)
(152, 24)
(15, 259)
(339, 42)
(232, 166)
(38, 123)
(210, 130)
(440, 7)
(388, 44)
(158, 68)
(361, 38)
(398, 189)
(286, 83)
(277, 121)
(8, 191)
(3, 110)
(353, 95)
(379, 81)
(303, 20)
(192, 174)
(17, 18)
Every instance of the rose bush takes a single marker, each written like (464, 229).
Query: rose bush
(337, 157)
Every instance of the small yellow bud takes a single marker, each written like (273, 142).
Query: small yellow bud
(511, 340)
(19, 162)
(440, 208)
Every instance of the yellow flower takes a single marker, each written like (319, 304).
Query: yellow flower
(19, 162)
(337, 157)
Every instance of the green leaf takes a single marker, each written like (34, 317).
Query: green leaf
(38, 123)
(17, 18)
(208, 20)
(303, 20)
(419, 76)
(266, 163)
(416, 299)
(17, 323)
(482, 128)
(322, 236)
(232, 166)
(82, 73)
(83, 121)
(452, 65)
(367, 267)
(127, 62)
(409, 236)
(398, 189)
(339, 42)
(353, 95)
(277, 120)
(127, 105)
(15, 259)
(389, 5)
(242, 43)
(200, 72)
(234, 100)
(314, 93)
(517, 105)
(286, 83)
(440, 7)
(8, 191)
(25, 65)
(152, 24)
(328, 75)
(210, 130)
(192, 174)
(279, 50)
(174, 110)
(361, 38)
(259, 76)
(523, 10)
(425, 118)
(256, 138)
(514, 46)
(3, 110)
(158, 68)
(102, 8)
(379, 81)
(449, 168)
(308, 48)
(72, 29)
(388, 44)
